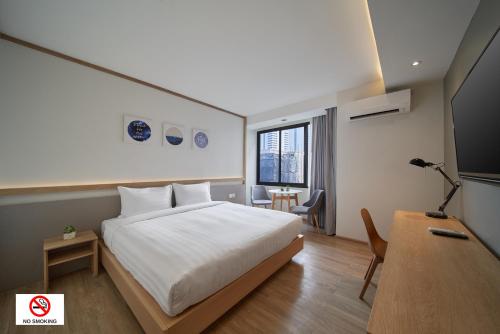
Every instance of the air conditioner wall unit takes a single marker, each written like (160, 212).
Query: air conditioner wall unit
(381, 105)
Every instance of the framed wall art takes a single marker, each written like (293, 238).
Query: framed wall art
(173, 135)
(137, 129)
(200, 139)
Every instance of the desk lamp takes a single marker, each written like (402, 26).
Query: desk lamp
(456, 184)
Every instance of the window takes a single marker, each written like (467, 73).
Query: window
(282, 156)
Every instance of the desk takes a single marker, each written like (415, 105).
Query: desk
(433, 284)
(281, 195)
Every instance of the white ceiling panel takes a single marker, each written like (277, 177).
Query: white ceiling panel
(429, 31)
(244, 56)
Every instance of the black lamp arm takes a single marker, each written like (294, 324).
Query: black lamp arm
(455, 184)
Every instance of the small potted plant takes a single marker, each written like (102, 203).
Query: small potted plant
(69, 232)
(287, 187)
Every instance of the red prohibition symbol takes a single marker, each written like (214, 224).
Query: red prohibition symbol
(39, 306)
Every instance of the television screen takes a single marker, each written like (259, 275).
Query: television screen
(476, 117)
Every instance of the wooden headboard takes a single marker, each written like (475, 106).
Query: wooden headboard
(112, 185)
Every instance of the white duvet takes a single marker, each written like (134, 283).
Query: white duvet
(183, 255)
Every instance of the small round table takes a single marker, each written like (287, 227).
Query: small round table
(281, 195)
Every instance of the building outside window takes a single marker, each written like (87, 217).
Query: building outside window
(282, 156)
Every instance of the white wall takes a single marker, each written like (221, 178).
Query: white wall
(251, 161)
(294, 112)
(63, 123)
(373, 155)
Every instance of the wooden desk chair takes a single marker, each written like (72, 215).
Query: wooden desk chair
(378, 247)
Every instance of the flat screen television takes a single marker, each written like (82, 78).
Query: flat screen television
(476, 117)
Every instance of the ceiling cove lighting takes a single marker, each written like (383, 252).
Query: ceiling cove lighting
(416, 63)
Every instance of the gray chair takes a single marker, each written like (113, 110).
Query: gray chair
(311, 208)
(260, 196)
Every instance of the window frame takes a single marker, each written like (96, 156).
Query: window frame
(306, 155)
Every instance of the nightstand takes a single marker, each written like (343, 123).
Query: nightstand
(57, 250)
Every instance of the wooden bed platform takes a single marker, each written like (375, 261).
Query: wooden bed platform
(197, 317)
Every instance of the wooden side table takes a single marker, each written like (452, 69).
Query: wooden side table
(287, 195)
(57, 250)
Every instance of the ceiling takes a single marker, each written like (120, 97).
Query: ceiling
(243, 56)
(418, 30)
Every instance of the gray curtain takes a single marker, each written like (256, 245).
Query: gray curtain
(323, 165)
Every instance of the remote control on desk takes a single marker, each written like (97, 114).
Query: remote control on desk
(448, 233)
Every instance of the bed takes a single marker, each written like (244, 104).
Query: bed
(180, 269)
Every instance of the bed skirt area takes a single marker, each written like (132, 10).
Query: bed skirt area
(199, 316)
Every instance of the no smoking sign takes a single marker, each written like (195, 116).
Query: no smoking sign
(36, 310)
(40, 306)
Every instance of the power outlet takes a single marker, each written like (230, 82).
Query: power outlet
(231, 196)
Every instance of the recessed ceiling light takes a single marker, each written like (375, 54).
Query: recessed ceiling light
(416, 63)
(284, 120)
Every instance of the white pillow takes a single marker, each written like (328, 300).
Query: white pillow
(141, 200)
(186, 194)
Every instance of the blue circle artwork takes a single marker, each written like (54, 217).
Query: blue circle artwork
(201, 139)
(139, 130)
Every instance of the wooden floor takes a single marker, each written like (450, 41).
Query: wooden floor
(317, 292)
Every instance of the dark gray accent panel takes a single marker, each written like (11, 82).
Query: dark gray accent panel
(24, 226)
(221, 192)
(476, 203)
